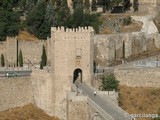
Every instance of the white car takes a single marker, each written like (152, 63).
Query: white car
(11, 74)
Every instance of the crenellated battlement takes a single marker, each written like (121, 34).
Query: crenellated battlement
(68, 30)
(11, 38)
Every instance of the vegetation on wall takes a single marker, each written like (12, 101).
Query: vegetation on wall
(2, 60)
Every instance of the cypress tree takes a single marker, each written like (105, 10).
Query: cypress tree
(94, 7)
(115, 54)
(43, 58)
(123, 50)
(20, 58)
(2, 60)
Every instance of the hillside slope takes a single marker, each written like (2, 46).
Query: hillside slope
(28, 112)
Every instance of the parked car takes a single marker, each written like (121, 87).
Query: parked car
(11, 74)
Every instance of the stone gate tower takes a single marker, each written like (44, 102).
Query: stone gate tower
(72, 55)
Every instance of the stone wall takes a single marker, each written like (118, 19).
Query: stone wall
(49, 50)
(11, 51)
(147, 6)
(31, 50)
(20, 91)
(138, 77)
(109, 47)
(42, 86)
(3, 50)
(15, 92)
(77, 107)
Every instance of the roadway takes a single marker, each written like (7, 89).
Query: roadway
(113, 110)
(17, 72)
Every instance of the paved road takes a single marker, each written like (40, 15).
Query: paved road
(113, 110)
(17, 72)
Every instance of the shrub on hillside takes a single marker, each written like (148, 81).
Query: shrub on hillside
(127, 21)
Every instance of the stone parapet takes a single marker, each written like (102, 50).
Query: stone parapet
(68, 30)
(138, 77)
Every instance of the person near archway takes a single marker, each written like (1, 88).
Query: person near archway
(95, 93)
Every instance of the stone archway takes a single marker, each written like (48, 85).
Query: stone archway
(96, 116)
(77, 75)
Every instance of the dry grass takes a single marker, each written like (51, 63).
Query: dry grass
(24, 35)
(28, 112)
(136, 100)
(133, 27)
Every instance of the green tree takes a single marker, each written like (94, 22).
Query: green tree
(116, 2)
(77, 17)
(127, 21)
(43, 58)
(63, 15)
(9, 23)
(20, 58)
(35, 20)
(77, 3)
(2, 60)
(58, 3)
(123, 50)
(87, 5)
(108, 5)
(95, 22)
(115, 54)
(94, 5)
(28, 5)
(126, 5)
(94, 66)
(109, 83)
(135, 5)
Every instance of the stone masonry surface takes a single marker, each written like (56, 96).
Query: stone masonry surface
(42, 87)
(77, 107)
(15, 92)
(138, 77)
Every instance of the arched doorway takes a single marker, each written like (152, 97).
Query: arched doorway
(96, 116)
(77, 75)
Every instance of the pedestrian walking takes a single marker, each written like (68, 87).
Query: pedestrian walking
(95, 93)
